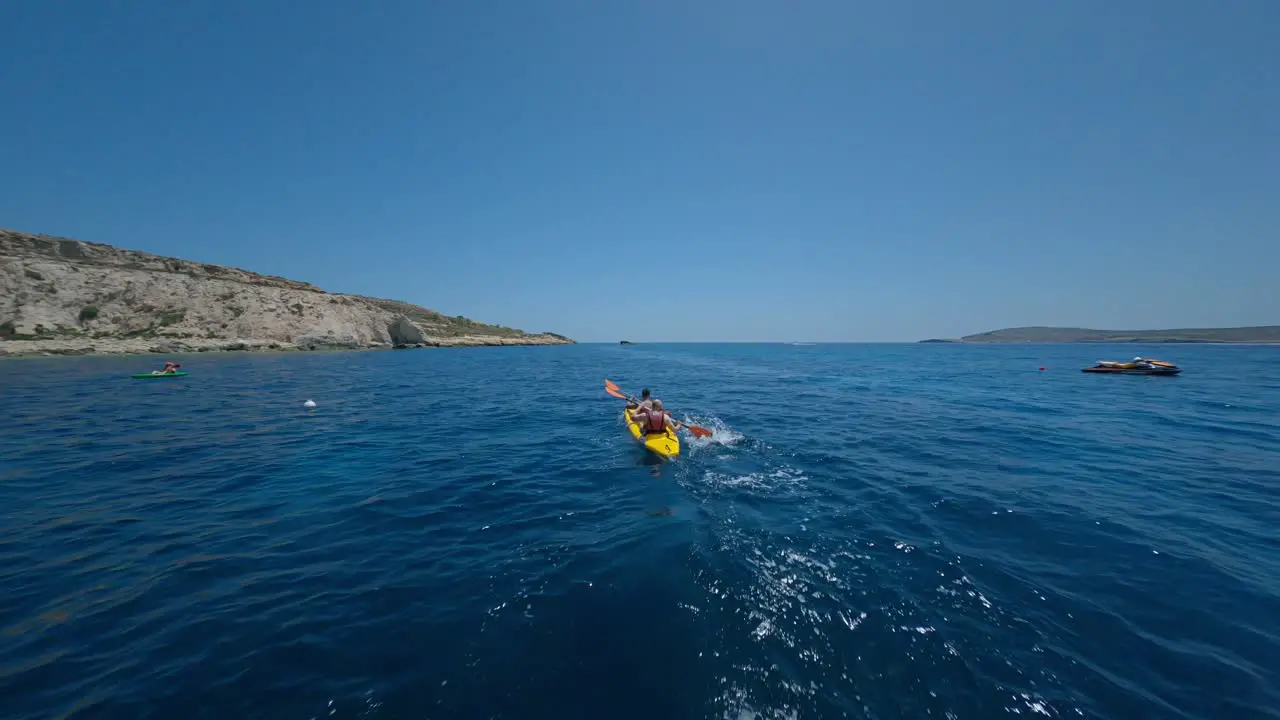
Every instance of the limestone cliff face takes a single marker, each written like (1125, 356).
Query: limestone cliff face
(60, 296)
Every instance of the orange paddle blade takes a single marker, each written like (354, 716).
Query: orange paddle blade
(699, 431)
(614, 392)
(611, 384)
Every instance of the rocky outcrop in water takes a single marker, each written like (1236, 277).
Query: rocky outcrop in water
(403, 332)
(61, 296)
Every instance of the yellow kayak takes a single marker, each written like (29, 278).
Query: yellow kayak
(667, 444)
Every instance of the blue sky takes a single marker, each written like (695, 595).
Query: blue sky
(760, 170)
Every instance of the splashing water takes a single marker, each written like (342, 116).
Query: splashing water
(721, 434)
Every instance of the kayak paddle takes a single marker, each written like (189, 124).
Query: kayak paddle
(615, 391)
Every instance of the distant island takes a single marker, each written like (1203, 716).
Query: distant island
(626, 342)
(1259, 334)
(68, 297)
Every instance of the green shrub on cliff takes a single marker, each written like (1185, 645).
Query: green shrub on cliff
(172, 317)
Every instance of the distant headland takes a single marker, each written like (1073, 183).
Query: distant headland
(68, 297)
(1258, 334)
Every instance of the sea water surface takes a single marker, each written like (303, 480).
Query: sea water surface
(874, 531)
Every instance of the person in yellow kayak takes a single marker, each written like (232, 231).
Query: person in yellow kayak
(653, 420)
(648, 412)
(645, 401)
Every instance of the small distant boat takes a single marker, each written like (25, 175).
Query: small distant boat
(1138, 366)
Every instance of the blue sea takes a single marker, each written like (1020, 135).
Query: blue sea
(873, 531)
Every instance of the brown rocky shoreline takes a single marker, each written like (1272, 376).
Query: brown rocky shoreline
(69, 297)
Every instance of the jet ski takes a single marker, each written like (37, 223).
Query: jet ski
(1138, 366)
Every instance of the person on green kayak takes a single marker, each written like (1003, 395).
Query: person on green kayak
(645, 401)
(654, 420)
(169, 367)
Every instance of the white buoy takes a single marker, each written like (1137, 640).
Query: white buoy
(309, 404)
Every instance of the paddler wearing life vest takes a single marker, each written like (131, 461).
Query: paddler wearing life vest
(653, 420)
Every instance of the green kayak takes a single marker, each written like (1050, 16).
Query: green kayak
(149, 376)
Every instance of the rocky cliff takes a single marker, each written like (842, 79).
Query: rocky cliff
(60, 296)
